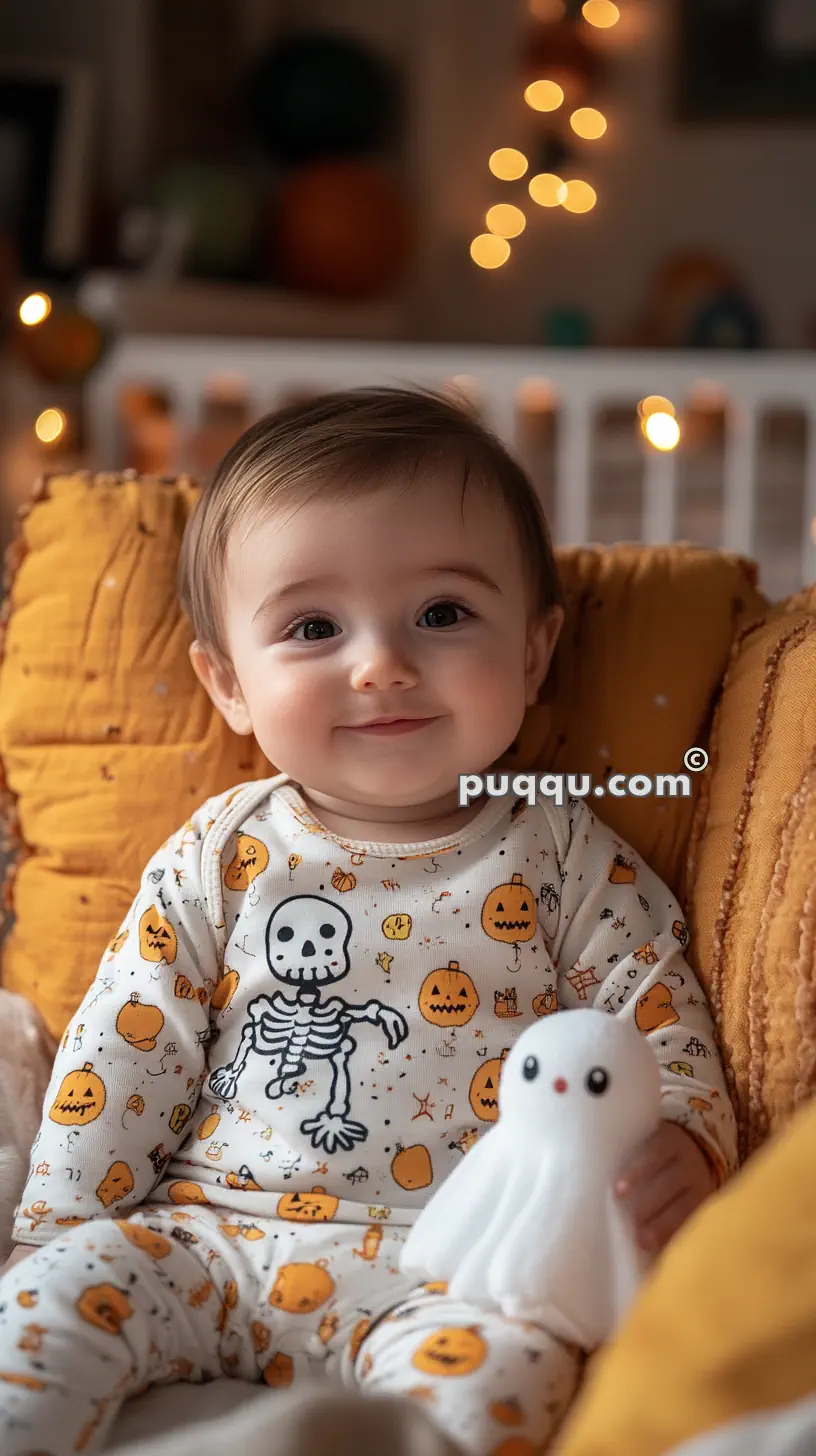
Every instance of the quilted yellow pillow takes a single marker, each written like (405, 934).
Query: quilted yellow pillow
(108, 740)
(752, 868)
(725, 1325)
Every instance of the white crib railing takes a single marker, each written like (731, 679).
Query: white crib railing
(576, 386)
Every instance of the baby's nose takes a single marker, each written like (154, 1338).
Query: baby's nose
(560, 1085)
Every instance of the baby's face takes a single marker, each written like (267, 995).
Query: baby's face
(388, 627)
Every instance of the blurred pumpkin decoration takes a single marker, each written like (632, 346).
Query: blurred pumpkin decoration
(327, 112)
(343, 228)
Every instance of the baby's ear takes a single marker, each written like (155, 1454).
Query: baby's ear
(218, 679)
(541, 642)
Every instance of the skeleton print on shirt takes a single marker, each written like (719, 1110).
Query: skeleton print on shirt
(292, 1024)
(307, 949)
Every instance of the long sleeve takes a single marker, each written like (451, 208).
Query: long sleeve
(131, 1064)
(618, 946)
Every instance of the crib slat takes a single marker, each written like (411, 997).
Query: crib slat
(740, 482)
(660, 497)
(576, 423)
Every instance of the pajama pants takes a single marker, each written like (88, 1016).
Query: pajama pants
(114, 1306)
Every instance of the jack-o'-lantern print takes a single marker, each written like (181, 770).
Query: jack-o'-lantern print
(343, 880)
(301, 1288)
(157, 938)
(412, 1168)
(646, 954)
(654, 1009)
(451, 1351)
(80, 1098)
(509, 912)
(146, 1239)
(136, 1104)
(680, 932)
(179, 1117)
(397, 927)
(139, 1025)
(448, 996)
(621, 871)
(279, 1372)
(208, 1126)
(315, 1207)
(105, 1306)
(116, 1184)
(185, 1192)
(250, 860)
(546, 1002)
(225, 989)
(484, 1088)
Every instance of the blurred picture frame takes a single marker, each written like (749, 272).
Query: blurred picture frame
(746, 60)
(46, 142)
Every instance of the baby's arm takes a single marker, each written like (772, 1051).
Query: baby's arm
(130, 1066)
(619, 947)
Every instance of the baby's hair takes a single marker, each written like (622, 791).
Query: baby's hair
(340, 444)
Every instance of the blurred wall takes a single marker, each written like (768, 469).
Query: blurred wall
(744, 191)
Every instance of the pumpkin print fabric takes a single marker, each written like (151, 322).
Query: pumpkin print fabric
(284, 1011)
(290, 1042)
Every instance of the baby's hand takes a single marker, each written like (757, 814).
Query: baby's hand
(666, 1180)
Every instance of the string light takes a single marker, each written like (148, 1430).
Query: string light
(547, 190)
(655, 404)
(544, 95)
(578, 196)
(34, 309)
(489, 251)
(588, 123)
(508, 164)
(600, 13)
(505, 220)
(50, 425)
(661, 430)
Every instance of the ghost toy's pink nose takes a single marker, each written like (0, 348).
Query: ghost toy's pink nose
(560, 1085)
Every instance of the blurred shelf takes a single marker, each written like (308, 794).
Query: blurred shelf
(138, 304)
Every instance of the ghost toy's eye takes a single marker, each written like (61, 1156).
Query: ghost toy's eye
(597, 1081)
(530, 1069)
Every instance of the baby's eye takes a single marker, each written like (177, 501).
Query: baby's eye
(311, 622)
(444, 609)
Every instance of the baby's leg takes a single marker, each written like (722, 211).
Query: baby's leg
(94, 1317)
(488, 1382)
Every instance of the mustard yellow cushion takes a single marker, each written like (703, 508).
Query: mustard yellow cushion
(108, 740)
(726, 1324)
(752, 869)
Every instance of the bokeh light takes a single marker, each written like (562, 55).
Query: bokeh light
(579, 196)
(547, 190)
(655, 404)
(588, 123)
(505, 220)
(601, 13)
(508, 164)
(34, 309)
(544, 95)
(50, 425)
(661, 430)
(489, 251)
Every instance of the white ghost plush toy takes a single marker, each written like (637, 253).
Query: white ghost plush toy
(529, 1222)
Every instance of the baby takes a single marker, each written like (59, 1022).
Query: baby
(298, 1030)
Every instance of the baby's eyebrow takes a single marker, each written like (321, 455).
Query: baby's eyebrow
(279, 594)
